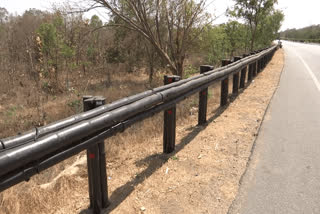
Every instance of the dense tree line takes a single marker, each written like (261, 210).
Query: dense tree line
(49, 48)
(310, 33)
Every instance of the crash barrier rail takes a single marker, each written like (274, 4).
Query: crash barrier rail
(27, 154)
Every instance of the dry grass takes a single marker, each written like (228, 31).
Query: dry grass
(201, 176)
(20, 109)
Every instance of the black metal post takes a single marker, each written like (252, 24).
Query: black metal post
(236, 77)
(243, 77)
(169, 126)
(203, 98)
(253, 67)
(260, 65)
(254, 74)
(224, 85)
(96, 161)
(249, 70)
(255, 64)
(243, 74)
(99, 101)
(250, 73)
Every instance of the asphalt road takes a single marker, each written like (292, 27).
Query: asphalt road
(284, 173)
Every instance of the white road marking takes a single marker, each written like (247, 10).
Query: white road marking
(314, 78)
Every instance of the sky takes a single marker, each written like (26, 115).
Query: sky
(298, 14)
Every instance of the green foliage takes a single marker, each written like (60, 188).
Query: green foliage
(45, 85)
(75, 105)
(57, 50)
(210, 94)
(213, 43)
(175, 158)
(113, 55)
(189, 71)
(12, 111)
(223, 41)
(236, 36)
(52, 40)
(93, 48)
(310, 33)
(66, 51)
(259, 15)
(128, 47)
(252, 10)
(268, 29)
(48, 34)
(91, 53)
(58, 21)
(50, 62)
(95, 21)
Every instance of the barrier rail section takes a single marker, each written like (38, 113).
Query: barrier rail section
(29, 153)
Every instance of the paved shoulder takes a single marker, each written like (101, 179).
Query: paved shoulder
(284, 174)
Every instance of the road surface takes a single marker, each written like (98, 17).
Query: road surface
(284, 173)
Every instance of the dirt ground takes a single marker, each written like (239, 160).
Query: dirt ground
(201, 176)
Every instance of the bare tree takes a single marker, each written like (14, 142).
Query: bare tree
(170, 26)
(3, 15)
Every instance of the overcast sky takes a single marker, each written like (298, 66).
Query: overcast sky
(297, 13)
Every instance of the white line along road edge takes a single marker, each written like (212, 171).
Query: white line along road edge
(314, 78)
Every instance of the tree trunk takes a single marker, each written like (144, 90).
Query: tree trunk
(179, 71)
(251, 43)
(253, 38)
(151, 71)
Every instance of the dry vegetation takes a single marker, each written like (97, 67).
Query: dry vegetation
(50, 59)
(21, 110)
(201, 176)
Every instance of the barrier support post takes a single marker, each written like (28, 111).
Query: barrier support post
(96, 162)
(203, 98)
(169, 125)
(236, 77)
(250, 72)
(243, 74)
(224, 86)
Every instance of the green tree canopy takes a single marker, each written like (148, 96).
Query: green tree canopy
(254, 13)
